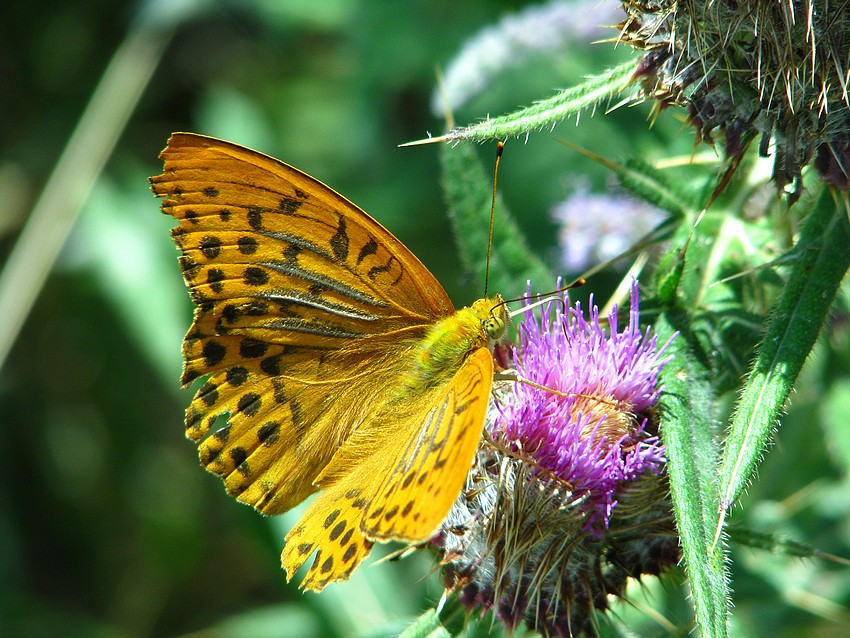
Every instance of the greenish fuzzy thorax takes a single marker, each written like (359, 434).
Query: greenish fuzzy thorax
(448, 343)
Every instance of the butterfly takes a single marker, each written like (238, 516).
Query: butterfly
(334, 360)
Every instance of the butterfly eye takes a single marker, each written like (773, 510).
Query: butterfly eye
(494, 326)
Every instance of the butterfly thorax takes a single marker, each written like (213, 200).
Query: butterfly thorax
(450, 341)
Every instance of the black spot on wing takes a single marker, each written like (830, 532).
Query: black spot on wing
(249, 404)
(252, 348)
(255, 217)
(279, 391)
(369, 248)
(247, 245)
(339, 242)
(331, 518)
(256, 309)
(213, 353)
(337, 531)
(229, 314)
(374, 271)
(317, 289)
(255, 276)
(290, 253)
(297, 417)
(289, 206)
(238, 456)
(349, 553)
(271, 365)
(208, 393)
(346, 537)
(210, 246)
(269, 432)
(192, 418)
(215, 277)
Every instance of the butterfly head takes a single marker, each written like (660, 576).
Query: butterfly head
(494, 316)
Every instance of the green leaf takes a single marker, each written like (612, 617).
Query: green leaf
(820, 261)
(710, 273)
(275, 621)
(687, 408)
(426, 626)
(656, 188)
(469, 194)
(835, 408)
(771, 543)
(668, 276)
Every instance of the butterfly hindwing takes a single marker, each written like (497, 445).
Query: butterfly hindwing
(330, 528)
(432, 466)
(257, 452)
(431, 447)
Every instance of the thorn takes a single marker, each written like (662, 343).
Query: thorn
(427, 140)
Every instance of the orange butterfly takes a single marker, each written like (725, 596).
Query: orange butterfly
(339, 360)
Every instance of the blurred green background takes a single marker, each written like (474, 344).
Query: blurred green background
(108, 527)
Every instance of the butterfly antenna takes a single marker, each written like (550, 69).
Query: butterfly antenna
(544, 297)
(500, 147)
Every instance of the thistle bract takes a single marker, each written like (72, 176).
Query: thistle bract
(770, 70)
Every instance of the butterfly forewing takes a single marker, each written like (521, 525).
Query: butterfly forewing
(273, 254)
(286, 273)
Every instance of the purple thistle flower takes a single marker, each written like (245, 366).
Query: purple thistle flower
(597, 227)
(568, 497)
(587, 436)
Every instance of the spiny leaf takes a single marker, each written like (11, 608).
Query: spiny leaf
(546, 113)
(688, 418)
(821, 261)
